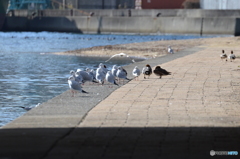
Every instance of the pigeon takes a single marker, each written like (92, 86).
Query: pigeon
(147, 71)
(161, 72)
(223, 55)
(231, 56)
(136, 72)
(74, 85)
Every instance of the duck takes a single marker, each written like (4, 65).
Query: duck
(161, 72)
(147, 71)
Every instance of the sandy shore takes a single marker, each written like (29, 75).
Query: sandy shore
(156, 48)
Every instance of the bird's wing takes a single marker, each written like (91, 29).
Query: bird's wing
(76, 86)
(112, 57)
(144, 69)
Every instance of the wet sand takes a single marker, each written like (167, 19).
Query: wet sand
(155, 48)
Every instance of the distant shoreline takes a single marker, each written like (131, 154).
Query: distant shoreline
(153, 49)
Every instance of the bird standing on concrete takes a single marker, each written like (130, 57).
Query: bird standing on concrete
(161, 72)
(223, 55)
(170, 50)
(136, 72)
(231, 56)
(74, 85)
(122, 73)
(110, 78)
(147, 71)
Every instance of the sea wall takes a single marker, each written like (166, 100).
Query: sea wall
(139, 22)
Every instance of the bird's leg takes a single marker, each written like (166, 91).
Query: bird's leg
(72, 93)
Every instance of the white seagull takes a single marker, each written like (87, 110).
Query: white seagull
(170, 50)
(136, 72)
(78, 78)
(122, 73)
(85, 76)
(231, 56)
(110, 78)
(114, 70)
(74, 86)
(120, 55)
(100, 76)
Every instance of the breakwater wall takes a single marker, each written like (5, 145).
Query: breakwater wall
(108, 22)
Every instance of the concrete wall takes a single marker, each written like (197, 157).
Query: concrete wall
(135, 25)
(136, 13)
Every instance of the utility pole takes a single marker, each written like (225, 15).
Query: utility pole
(102, 4)
(63, 4)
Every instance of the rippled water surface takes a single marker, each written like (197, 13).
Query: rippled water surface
(30, 74)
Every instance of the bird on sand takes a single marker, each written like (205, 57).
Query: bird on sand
(170, 50)
(147, 71)
(231, 56)
(74, 86)
(161, 72)
(110, 78)
(136, 72)
(120, 55)
(223, 55)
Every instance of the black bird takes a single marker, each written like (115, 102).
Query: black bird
(147, 70)
(161, 72)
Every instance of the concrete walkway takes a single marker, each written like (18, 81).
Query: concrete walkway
(184, 115)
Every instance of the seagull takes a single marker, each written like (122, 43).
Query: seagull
(147, 71)
(122, 73)
(136, 72)
(100, 76)
(74, 86)
(231, 56)
(78, 78)
(120, 55)
(110, 78)
(223, 55)
(104, 68)
(85, 76)
(161, 72)
(114, 70)
(170, 50)
(29, 108)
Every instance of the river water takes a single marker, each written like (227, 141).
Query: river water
(31, 74)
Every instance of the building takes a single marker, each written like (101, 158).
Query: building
(220, 4)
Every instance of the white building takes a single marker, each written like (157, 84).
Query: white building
(220, 4)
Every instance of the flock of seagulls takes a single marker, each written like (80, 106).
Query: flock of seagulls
(113, 76)
(231, 56)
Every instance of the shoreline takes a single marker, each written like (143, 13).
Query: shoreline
(153, 49)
